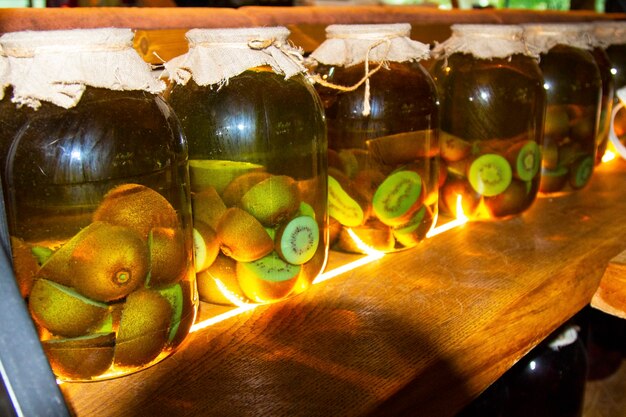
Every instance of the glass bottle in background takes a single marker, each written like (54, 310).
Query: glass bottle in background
(98, 203)
(257, 147)
(574, 91)
(382, 115)
(614, 36)
(600, 37)
(492, 111)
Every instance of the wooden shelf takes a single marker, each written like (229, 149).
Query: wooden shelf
(420, 332)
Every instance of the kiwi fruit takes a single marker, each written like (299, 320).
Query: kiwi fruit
(550, 155)
(306, 209)
(144, 328)
(511, 201)
(204, 173)
(553, 180)
(63, 311)
(222, 270)
(334, 228)
(240, 185)
(80, 358)
(450, 192)
(413, 232)
(404, 147)
(110, 263)
(556, 123)
(334, 161)
(297, 240)
(267, 279)
(342, 206)
(581, 171)
(243, 237)
(374, 234)
(180, 302)
(57, 267)
(490, 174)
(453, 148)
(310, 271)
(137, 207)
(207, 207)
(168, 256)
(25, 265)
(525, 157)
(368, 180)
(272, 200)
(206, 246)
(399, 196)
(349, 162)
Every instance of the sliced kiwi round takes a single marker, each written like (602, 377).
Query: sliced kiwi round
(399, 196)
(243, 237)
(206, 246)
(168, 256)
(553, 180)
(109, 263)
(581, 171)
(490, 174)
(272, 200)
(297, 240)
(137, 207)
(412, 233)
(527, 160)
(204, 173)
(219, 285)
(342, 207)
(240, 185)
(267, 279)
(207, 206)
(144, 328)
(81, 358)
(63, 311)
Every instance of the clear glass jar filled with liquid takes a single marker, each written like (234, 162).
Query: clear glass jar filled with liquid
(492, 111)
(382, 115)
(257, 149)
(574, 91)
(98, 204)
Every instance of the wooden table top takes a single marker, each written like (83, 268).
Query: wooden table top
(418, 333)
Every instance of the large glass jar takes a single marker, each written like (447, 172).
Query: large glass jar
(98, 203)
(614, 36)
(601, 39)
(492, 111)
(382, 115)
(257, 149)
(574, 90)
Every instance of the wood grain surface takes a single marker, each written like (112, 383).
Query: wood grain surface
(415, 333)
(610, 297)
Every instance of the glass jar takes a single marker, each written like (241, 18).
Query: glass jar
(601, 37)
(614, 37)
(98, 205)
(491, 154)
(574, 90)
(257, 149)
(382, 115)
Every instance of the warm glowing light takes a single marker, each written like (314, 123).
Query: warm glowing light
(363, 246)
(221, 317)
(230, 296)
(608, 156)
(347, 267)
(460, 220)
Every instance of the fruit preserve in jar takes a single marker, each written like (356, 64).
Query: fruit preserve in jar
(98, 204)
(574, 91)
(257, 149)
(492, 109)
(382, 115)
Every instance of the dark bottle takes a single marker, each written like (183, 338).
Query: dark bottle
(98, 203)
(574, 91)
(382, 115)
(492, 109)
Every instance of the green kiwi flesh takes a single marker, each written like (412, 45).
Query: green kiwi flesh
(206, 246)
(297, 241)
(528, 161)
(581, 171)
(490, 174)
(415, 230)
(342, 207)
(399, 196)
(267, 279)
(204, 173)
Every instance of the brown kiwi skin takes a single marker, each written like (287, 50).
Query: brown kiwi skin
(242, 237)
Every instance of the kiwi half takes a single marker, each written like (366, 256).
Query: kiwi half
(243, 237)
(490, 174)
(206, 246)
(109, 263)
(204, 173)
(224, 271)
(412, 233)
(63, 311)
(272, 200)
(240, 185)
(399, 196)
(342, 207)
(267, 279)
(453, 148)
(527, 160)
(297, 241)
(374, 234)
(207, 206)
(80, 358)
(144, 328)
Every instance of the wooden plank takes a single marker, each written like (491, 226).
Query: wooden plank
(611, 294)
(419, 332)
